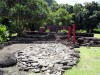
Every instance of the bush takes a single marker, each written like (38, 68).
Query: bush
(81, 31)
(3, 33)
(47, 30)
(96, 30)
(12, 28)
(60, 24)
(63, 31)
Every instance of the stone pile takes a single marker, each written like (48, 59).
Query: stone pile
(47, 58)
(89, 41)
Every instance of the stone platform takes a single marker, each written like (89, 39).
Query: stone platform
(47, 58)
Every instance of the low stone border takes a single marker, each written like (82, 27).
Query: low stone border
(89, 41)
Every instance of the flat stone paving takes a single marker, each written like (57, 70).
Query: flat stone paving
(48, 58)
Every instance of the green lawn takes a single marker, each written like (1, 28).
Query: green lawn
(97, 35)
(89, 62)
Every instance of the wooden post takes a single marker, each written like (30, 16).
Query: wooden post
(69, 31)
(74, 35)
(64, 27)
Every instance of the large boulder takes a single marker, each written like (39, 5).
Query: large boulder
(1, 72)
(80, 40)
(7, 60)
(88, 41)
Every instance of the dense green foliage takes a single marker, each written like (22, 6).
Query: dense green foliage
(3, 33)
(85, 16)
(24, 13)
(49, 2)
(32, 14)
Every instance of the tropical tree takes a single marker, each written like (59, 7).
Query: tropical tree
(69, 8)
(51, 18)
(77, 9)
(63, 16)
(49, 2)
(26, 13)
(3, 8)
(92, 19)
(55, 6)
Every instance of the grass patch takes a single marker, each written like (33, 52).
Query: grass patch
(89, 62)
(97, 35)
(81, 31)
(14, 34)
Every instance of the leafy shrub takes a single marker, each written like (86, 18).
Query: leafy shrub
(81, 31)
(47, 30)
(63, 31)
(3, 33)
(60, 24)
(97, 30)
(12, 28)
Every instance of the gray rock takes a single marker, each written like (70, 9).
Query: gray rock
(1, 72)
(36, 70)
(77, 51)
(7, 60)
(26, 69)
(57, 61)
(24, 60)
(64, 67)
(22, 66)
(35, 64)
(68, 67)
(72, 63)
(44, 69)
(76, 46)
(51, 65)
(64, 62)
(75, 55)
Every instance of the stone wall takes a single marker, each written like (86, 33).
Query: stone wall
(88, 41)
